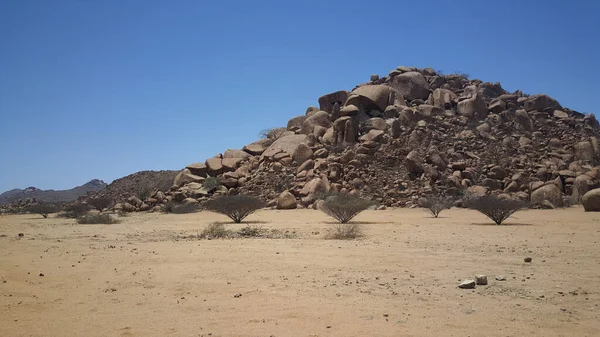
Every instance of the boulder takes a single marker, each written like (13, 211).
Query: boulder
(314, 186)
(372, 136)
(372, 97)
(286, 200)
(442, 98)
(591, 201)
(258, 147)
(411, 85)
(198, 169)
(584, 151)
(581, 186)
(229, 153)
(320, 118)
(326, 102)
(214, 166)
(230, 164)
(473, 107)
(186, 176)
(413, 163)
(523, 119)
(349, 110)
(540, 103)
(302, 153)
(285, 144)
(551, 193)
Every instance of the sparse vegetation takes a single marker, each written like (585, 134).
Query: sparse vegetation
(99, 204)
(75, 210)
(346, 231)
(344, 207)
(43, 209)
(236, 207)
(211, 183)
(436, 204)
(177, 208)
(273, 133)
(143, 193)
(96, 219)
(215, 231)
(495, 208)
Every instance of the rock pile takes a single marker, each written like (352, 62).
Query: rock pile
(413, 133)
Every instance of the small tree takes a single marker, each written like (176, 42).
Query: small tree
(435, 205)
(43, 209)
(236, 207)
(495, 208)
(99, 203)
(344, 207)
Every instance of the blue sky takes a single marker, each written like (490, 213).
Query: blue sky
(101, 89)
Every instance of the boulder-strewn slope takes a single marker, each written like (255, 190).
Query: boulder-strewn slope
(412, 133)
(31, 193)
(143, 182)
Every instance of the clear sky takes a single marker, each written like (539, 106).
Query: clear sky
(105, 88)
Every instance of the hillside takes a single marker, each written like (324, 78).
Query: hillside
(410, 134)
(51, 195)
(143, 182)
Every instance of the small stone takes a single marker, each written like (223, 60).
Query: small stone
(41, 274)
(467, 284)
(237, 295)
(527, 259)
(500, 278)
(21, 235)
(481, 280)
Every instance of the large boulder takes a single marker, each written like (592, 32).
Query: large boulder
(551, 193)
(302, 153)
(473, 107)
(591, 201)
(285, 144)
(198, 169)
(540, 103)
(326, 102)
(442, 98)
(344, 131)
(186, 176)
(236, 154)
(286, 200)
(320, 118)
(581, 186)
(296, 122)
(414, 163)
(584, 151)
(373, 97)
(314, 186)
(258, 147)
(214, 165)
(411, 85)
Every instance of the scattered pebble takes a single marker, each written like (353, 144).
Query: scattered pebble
(41, 274)
(237, 295)
(21, 235)
(500, 278)
(467, 284)
(527, 259)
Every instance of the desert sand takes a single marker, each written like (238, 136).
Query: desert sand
(149, 276)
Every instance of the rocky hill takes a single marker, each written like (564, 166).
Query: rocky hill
(16, 195)
(138, 184)
(412, 133)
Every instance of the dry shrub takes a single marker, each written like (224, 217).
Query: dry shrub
(346, 231)
(75, 210)
(495, 208)
(177, 208)
(435, 205)
(43, 209)
(236, 207)
(215, 231)
(96, 219)
(99, 203)
(211, 183)
(273, 133)
(344, 207)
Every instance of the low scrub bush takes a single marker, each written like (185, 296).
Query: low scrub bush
(211, 183)
(236, 207)
(495, 208)
(273, 133)
(43, 209)
(96, 219)
(215, 231)
(435, 205)
(177, 208)
(346, 231)
(344, 207)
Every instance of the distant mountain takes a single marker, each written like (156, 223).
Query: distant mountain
(51, 195)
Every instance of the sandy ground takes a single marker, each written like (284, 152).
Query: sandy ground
(142, 277)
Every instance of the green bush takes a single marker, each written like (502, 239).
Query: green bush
(236, 207)
(344, 207)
